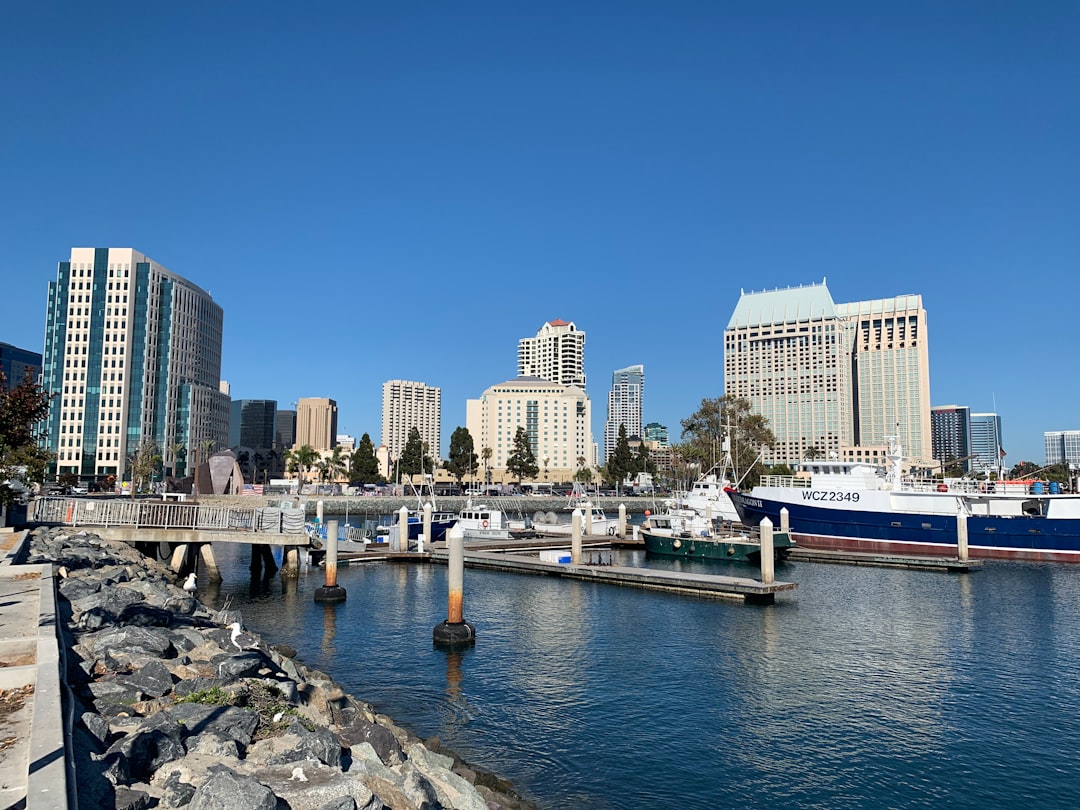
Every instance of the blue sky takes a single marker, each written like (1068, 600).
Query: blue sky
(379, 191)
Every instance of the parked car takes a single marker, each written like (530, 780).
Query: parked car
(80, 489)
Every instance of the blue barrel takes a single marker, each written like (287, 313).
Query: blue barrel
(1037, 488)
(1055, 488)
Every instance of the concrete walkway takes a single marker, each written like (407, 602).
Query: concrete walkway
(33, 761)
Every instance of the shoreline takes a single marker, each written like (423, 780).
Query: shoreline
(169, 709)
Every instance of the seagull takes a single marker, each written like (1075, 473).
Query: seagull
(190, 585)
(240, 639)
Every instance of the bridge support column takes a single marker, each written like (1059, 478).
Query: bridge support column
(178, 556)
(290, 568)
(262, 561)
(206, 552)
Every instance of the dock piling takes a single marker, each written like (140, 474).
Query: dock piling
(785, 520)
(403, 531)
(455, 630)
(622, 520)
(768, 564)
(331, 591)
(575, 538)
(962, 537)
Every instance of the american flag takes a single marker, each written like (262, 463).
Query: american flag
(253, 489)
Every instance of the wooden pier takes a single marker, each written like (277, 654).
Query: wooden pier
(951, 565)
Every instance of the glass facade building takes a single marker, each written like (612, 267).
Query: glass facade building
(15, 363)
(133, 355)
(624, 406)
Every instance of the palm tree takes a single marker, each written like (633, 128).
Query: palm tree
(337, 464)
(486, 454)
(179, 456)
(305, 458)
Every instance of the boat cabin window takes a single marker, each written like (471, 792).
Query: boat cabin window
(1035, 507)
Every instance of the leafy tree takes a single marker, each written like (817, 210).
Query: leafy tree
(337, 464)
(812, 452)
(301, 459)
(622, 463)
(522, 461)
(644, 460)
(144, 464)
(414, 460)
(22, 459)
(462, 461)
(486, 454)
(728, 416)
(364, 467)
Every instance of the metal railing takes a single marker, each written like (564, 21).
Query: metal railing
(160, 515)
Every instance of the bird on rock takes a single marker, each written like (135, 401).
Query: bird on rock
(240, 639)
(190, 586)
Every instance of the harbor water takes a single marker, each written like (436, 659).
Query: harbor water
(864, 688)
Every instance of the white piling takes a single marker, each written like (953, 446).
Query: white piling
(575, 538)
(767, 562)
(588, 520)
(785, 520)
(427, 527)
(403, 530)
(622, 520)
(319, 512)
(961, 537)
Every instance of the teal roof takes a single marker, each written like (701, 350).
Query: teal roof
(788, 305)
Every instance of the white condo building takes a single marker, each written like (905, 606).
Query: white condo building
(831, 376)
(556, 354)
(557, 419)
(624, 406)
(407, 405)
(133, 354)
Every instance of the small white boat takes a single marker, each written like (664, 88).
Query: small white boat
(593, 521)
(482, 522)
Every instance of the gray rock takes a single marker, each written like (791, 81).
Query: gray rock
(94, 619)
(146, 640)
(128, 799)
(214, 744)
(176, 793)
(320, 745)
(111, 599)
(227, 790)
(191, 685)
(453, 790)
(243, 665)
(140, 615)
(97, 725)
(75, 588)
(341, 803)
(148, 750)
(381, 739)
(309, 785)
(153, 679)
(231, 722)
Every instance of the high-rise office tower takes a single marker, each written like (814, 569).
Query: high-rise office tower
(252, 423)
(316, 423)
(986, 442)
(950, 435)
(624, 406)
(1062, 447)
(407, 405)
(556, 354)
(16, 363)
(285, 431)
(133, 354)
(831, 376)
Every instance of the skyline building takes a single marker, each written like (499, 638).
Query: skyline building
(556, 354)
(833, 377)
(986, 442)
(133, 355)
(1062, 447)
(407, 405)
(556, 418)
(624, 406)
(16, 362)
(950, 435)
(252, 423)
(656, 433)
(285, 429)
(316, 423)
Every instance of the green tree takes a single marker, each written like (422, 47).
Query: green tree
(22, 459)
(301, 459)
(413, 460)
(337, 463)
(144, 464)
(462, 461)
(486, 454)
(621, 464)
(644, 460)
(812, 452)
(364, 467)
(704, 432)
(522, 461)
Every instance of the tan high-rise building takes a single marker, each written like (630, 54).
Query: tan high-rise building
(557, 419)
(407, 405)
(556, 354)
(316, 423)
(831, 376)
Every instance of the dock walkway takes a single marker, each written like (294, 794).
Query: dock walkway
(883, 560)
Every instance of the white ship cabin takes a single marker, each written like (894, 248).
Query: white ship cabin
(831, 473)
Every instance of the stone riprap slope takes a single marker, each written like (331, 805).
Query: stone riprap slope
(168, 712)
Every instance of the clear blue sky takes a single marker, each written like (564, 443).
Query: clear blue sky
(390, 190)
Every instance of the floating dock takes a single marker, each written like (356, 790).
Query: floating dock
(926, 563)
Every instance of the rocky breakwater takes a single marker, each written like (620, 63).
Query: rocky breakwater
(171, 711)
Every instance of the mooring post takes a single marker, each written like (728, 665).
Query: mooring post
(403, 530)
(331, 591)
(427, 529)
(785, 520)
(575, 537)
(622, 520)
(455, 630)
(588, 520)
(767, 562)
(319, 513)
(961, 537)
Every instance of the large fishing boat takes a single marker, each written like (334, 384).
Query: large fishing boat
(859, 507)
(677, 532)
